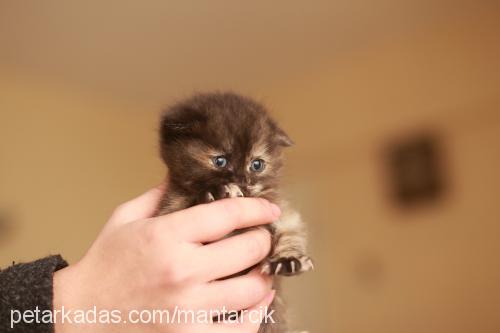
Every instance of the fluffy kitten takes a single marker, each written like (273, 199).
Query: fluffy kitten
(225, 145)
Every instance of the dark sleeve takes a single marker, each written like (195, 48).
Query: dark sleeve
(28, 287)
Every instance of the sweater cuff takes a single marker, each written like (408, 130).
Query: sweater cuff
(28, 287)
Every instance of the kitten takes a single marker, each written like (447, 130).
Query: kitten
(224, 145)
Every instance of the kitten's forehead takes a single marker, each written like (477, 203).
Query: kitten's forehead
(240, 129)
(226, 122)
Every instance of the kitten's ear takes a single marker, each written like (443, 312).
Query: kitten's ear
(179, 122)
(282, 138)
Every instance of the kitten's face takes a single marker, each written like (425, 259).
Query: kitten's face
(222, 145)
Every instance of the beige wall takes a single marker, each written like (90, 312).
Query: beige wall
(69, 155)
(67, 160)
(434, 269)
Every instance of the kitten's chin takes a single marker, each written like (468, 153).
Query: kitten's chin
(255, 190)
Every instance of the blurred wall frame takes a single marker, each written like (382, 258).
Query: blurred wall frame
(415, 169)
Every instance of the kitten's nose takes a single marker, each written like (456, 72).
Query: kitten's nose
(232, 191)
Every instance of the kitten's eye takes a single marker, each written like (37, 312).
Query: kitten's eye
(220, 161)
(257, 165)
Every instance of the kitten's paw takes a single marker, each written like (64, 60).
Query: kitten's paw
(287, 266)
(221, 192)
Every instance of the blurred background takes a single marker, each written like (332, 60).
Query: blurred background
(393, 104)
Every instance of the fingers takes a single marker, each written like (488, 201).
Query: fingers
(210, 222)
(251, 318)
(233, 254)
(248, 322)
(241, 292)
(143, 206)
(251, 322)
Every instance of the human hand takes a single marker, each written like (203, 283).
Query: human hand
(139, 262)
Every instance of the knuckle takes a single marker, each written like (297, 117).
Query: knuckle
(258, 287)
(152, 233)
(231, 209)
(120, 210)
(175, 274)
(255, 245)
(264, 205)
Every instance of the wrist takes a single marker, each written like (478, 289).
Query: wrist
(65, 297)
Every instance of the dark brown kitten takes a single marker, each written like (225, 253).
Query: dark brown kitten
(225, 145)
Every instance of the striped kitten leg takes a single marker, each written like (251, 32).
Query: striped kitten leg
(288, 256)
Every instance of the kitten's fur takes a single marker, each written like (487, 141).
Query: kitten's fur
(194, 132)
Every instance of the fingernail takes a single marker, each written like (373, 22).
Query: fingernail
(276, 210)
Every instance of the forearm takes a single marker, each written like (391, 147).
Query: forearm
(28, 287)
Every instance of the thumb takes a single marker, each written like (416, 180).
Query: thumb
(142, 207)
